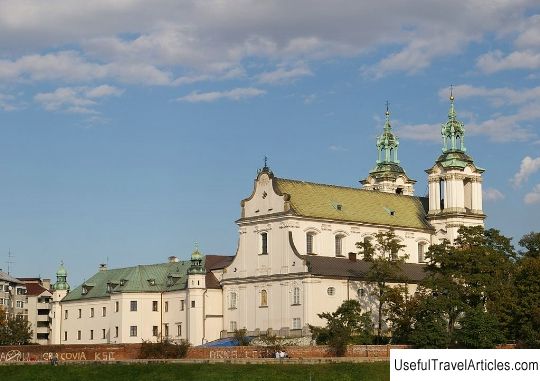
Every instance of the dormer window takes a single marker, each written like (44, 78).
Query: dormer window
(84, 290)
(152, 282)
(123, 282)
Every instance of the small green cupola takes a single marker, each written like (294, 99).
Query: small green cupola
(388, 175)
(453, 131)
(453, 136)
(196, 260)
(61, 278)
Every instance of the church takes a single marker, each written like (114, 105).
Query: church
(296, 255)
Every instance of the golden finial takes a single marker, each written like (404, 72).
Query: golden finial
(387, 112)
(452, 92)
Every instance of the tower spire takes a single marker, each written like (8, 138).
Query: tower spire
(387, 170)
(453, 131)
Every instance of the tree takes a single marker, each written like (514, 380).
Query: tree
(386, 259)
(527, 275)
(240, 335)
(478, 329)
(475, 272)
(347, 325)
(14, 330)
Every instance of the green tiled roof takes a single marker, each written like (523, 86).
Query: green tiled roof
(352, 204)
(143, 278)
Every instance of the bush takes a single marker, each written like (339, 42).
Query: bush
(240, 335)
(164, 350)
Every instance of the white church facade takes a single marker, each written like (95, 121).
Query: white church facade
(296, 255)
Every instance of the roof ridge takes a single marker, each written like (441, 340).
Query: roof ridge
(345, 187)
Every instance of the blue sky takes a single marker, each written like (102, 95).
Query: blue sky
(130, 131)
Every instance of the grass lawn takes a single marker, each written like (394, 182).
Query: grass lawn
(198, 372)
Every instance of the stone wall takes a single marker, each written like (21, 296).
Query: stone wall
(119, 352)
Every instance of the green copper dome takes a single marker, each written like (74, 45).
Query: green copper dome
(61, 278)
(196, 262)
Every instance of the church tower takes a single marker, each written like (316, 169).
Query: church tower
(196, 285)
(59, 290)
(388, 176)
(455, 183)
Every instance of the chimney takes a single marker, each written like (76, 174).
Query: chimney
(352, 256)
(173, 259)
(102, 267)
(46, 283)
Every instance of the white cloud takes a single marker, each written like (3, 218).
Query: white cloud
(527, 168)
(337, 148)
(283, 75)
(78, 100)
(526, 54)
(498, 96)
(492, 194)
(496, 61)
(420, 132)
(234, 94)
(8, 102)
(533, 197)
(161, 42)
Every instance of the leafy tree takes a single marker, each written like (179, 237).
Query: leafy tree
(14, 330)
(240, 335)
(430, 325)
(475, 272)
(527, 275)
(479, 329)
(347, 325)
(386, 259)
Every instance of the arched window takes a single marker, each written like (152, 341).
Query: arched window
(421, 251)
(264, 243)
(264, 298)
(339, 245)
(296, 295)
(310, 238)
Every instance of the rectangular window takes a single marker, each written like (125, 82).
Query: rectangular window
(91, 334)
(309, 243)
(155, 330)
(232, 300)
(104, 311)
(1, 301)
(116, 331)
(182, 305)
(79, 335)
(179, 328)
(133, 331)
(339, 244)
(296, 323)
(296, 295)
(103, 334)
(92, 312)
(264, 243)
(166, 330)
(20, 291)
(116, 306)
(192, 304)
(80, 313)
(154, 305)
(65, 314)
(166, 306)
(20, 304)
(65, 335)
(232, 326)
(133, 305)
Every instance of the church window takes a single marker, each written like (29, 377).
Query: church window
(232, 326)
(296, 296)
(361, 292)
(296, 323)
(309, 242)
(264, 298)
(179, 329)
(339, 245)
(133, 305)
(232, 300)
(154, 330)
(133, 330)
(264, 243)
(331, 291)
(421, 251)
(154, 305)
